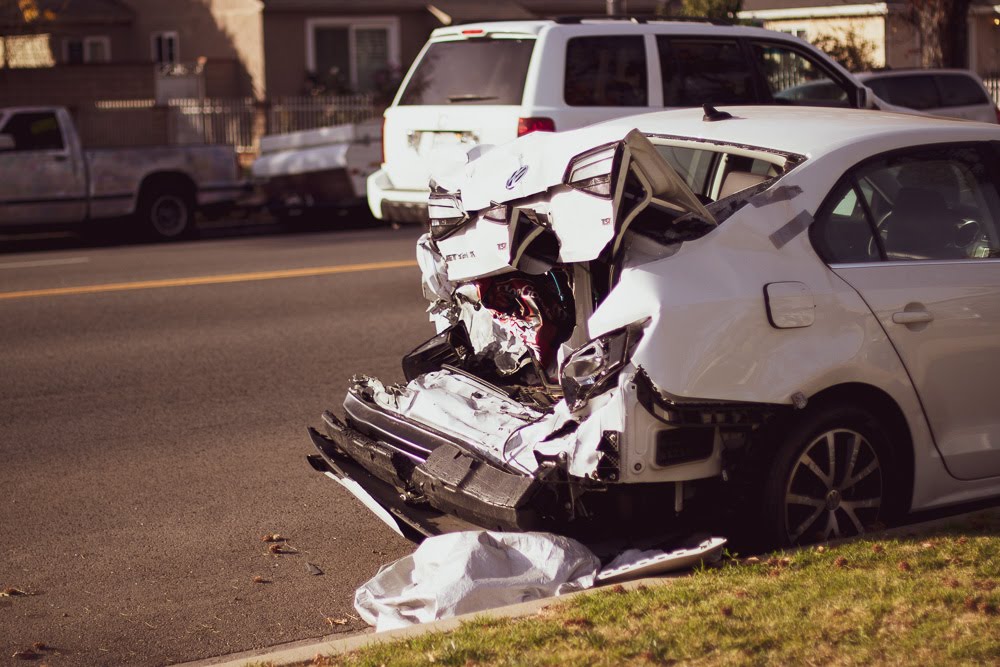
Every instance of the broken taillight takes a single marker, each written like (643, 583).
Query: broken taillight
(591, 171)
(445, 212)
(535, 124)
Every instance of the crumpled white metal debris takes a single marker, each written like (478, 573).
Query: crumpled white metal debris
(461, 573)
(502, 429)
(458, 405)
(634, 563)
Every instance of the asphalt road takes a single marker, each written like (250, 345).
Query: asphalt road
(152, 434)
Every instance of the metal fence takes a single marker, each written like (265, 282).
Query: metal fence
(238, 122)
(993, 85)
(291, 114)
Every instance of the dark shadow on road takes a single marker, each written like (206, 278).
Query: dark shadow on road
(249, 224)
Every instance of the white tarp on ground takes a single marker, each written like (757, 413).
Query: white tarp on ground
(462, 573)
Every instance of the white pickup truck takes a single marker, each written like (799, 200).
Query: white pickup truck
(46, 178)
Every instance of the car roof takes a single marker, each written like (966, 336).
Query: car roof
(862, 76)
(598, 24)
(806, 130)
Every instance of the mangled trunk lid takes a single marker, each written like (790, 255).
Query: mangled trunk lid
(544, 203)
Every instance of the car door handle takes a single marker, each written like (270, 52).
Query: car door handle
(912, 317)
(60, 158)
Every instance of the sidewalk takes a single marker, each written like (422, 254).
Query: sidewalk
(302, 652)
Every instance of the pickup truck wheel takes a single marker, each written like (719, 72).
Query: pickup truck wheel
(832, 476)
(167, 213)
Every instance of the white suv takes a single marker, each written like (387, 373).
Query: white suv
(488, 83)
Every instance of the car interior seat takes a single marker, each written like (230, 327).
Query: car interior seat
(921, 226)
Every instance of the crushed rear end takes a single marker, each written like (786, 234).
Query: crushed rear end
(523, 413)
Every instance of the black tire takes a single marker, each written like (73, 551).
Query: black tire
(809, 495)
(166, 212)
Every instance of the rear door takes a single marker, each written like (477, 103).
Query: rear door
(705, 70)
(461, 91)
(41, 178)
(931, 275)
(603, 76)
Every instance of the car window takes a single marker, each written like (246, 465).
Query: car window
(36, 131)
(473, 71)
(915, 92)
(606, 72)
(959, 90)
(842, 232)
(795, 78)
(693, 165)
(704, 71)
(927, 204)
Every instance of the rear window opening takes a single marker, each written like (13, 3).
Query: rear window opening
(473, 71)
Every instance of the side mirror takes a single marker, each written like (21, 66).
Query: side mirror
(7, 142)
(867, 99)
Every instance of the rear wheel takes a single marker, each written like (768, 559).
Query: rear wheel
(167, 212)
(832, 476)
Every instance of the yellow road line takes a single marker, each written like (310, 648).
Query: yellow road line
(209, 280)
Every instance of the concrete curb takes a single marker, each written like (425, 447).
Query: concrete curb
(304, 651)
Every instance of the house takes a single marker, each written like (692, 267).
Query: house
(74, 52)
(339, 45)
(886, 26)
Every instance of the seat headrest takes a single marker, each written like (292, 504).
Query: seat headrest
(737, 181)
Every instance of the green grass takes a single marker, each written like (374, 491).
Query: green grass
(927, 600)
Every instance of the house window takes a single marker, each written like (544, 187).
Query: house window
(166, 49)
(77, 50)
(351, 54)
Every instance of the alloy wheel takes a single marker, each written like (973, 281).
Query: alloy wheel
(835, 488)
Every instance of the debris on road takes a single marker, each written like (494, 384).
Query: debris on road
(336, 621)
(273, 537)
(313, 570)
(282, 548)
(13, 592)
(261, 580)
(26, 654)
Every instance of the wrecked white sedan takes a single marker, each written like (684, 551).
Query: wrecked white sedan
(796, 311)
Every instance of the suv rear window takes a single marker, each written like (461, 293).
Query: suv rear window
(605, 72)
(472, 71)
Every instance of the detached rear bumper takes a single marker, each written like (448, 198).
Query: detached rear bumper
(418, 493)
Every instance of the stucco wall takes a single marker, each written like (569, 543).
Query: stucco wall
(216, 29)
(903, 48)
(986, 42)
(870, 29)
(73, 85)
(285, 44)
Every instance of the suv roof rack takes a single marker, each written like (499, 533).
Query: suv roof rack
(638, 18)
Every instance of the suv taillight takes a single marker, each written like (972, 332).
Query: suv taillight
(383, 139)
(539, 124)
